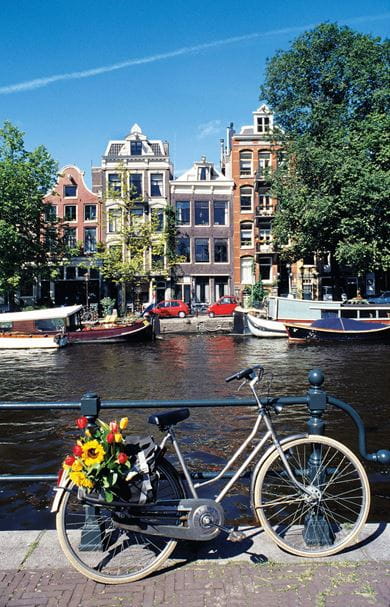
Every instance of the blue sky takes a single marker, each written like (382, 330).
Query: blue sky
(182, 70)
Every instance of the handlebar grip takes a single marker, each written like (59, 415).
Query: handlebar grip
(241, 374)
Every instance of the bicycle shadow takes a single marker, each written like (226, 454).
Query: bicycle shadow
(257, 548)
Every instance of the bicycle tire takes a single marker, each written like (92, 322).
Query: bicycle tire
(330, 522)
(122, 556)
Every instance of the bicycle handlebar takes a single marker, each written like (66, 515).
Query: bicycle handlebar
(249, 373)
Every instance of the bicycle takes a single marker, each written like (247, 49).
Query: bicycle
(309, 493)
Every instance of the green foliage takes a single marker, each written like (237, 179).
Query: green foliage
(27, 237)
(330, 94)
(108, 305)
(257, 293)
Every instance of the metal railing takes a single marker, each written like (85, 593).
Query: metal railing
(315, 399)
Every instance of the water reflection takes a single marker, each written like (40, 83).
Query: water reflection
(179, 367)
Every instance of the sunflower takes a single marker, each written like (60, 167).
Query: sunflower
(80, 480)
(93, 453)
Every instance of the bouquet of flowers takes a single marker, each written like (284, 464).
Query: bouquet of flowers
(98, 460)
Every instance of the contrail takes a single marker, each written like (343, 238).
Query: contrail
(186, 50)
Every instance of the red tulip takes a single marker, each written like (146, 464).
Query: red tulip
(77, 451)
(114, 427)
(82, 423)
(110, 438)
(122, 458)
(68, 461)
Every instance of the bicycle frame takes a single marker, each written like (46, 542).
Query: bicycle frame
(270, 434)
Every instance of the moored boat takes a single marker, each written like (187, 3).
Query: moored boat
(35, 328)
(261, 327)
(56, 327)
(337, 329)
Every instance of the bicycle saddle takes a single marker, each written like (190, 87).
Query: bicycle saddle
(170, 418)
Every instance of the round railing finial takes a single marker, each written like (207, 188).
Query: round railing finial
(316, 378)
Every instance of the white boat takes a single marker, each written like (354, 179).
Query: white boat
(261, 327)
(44, 328)
(306, 311)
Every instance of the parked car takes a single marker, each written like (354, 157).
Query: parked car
(225, 306)
(170, 308)
(383, 298)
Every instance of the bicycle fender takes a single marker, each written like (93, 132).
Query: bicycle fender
(265, 456)
(59, 492)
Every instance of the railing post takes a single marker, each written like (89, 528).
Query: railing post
(317, 530)
(90, 407)
(316, 402)
(92, 533)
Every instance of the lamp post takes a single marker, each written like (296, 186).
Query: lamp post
(86, 278)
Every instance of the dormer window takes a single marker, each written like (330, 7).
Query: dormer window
(263, 124)
(203, 173)
(136, 148)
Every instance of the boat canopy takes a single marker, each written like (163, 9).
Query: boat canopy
(44, 314)
(346, 324)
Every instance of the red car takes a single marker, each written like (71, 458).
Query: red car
(170, 308)
(225, 306)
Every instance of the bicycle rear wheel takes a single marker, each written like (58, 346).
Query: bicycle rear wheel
(106, 553)
(328, 520)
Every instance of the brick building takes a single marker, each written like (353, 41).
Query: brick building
(202, 198)
(250, 157)
(79, 214)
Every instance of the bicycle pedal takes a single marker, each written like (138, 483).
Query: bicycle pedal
(236, 536)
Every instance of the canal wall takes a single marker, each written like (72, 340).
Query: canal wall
(196, 324)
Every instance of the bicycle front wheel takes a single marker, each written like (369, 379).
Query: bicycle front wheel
(107, 553)
(327, 519)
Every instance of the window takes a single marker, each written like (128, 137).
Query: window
(89, 240)
(70, 272)
(136, 148)
(183, 248)
(263, 124)
(221, 250)
(265, 203)
(136, 184)
(203, 173)
(70, 212)
(156, 184)
(158, 218)
(245, 199)
(265, 231)
(183, 212)
(90, 212)
(70, 191)
(245, 163)
(246, 234)
(202, 250)
(264, 163)
(114, 182)
(220, 212)
(157, 260)
(246, 270)
(51, 239)
(70, 238)
(114, 220)
(50, 212)
(265, 265)
(201, 212)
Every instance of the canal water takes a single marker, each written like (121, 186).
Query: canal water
(182, 367)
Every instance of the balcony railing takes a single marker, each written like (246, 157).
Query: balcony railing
(264, 245)
(265, 211)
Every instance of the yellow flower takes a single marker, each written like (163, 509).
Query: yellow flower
(123, 423)
(118, 437)
(93, 453)
(80, 479)
(77, 466)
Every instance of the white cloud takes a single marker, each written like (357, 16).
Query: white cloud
(213, 127)
(36, 83)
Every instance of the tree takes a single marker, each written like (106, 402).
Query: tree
(140, 245)
(28, 235)
(330, 95)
